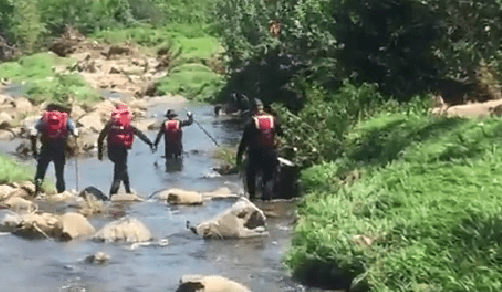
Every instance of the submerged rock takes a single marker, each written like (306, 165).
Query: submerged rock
(242, 220)
(199, 283)
(124, 230)
(9, 220)
(98, 258)
(221, 193)
(178, 196)
(125, 197)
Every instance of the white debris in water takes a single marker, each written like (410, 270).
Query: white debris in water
(211, 174)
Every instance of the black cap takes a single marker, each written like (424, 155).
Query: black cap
(171, 113)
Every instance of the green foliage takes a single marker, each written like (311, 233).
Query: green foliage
(26, 24)
(12, 171)
(226, 154)
(63, 87)
(427, 206)
(318, 130)
(35, 66)
(190, 80)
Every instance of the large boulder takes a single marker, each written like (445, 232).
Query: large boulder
(5, 120)
(77, 112)
(178, 196)
(5, 192)
(124, 230)
(20, 205)
(91, 121)
(36, 226)
(242, 220)
(6, 135)
(22, 105)
(9, 220)
(199, 283)
(71, 226)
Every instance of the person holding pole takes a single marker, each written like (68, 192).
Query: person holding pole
(53, 128)
(171, 130)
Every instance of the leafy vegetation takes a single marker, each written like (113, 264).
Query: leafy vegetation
(427, 206)
(44, 83)
(12, 171)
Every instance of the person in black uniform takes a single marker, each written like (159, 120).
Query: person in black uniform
(53, 128)
(120, 134)
(259, 137)
(171, 130)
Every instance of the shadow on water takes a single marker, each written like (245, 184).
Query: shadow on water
(54, 266)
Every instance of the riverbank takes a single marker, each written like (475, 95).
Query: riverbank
(414, 206)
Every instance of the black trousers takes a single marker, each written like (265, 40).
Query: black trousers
(118, 155)
(264, 159)
(56, 155)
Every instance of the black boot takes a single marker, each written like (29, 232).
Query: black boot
(38, 186)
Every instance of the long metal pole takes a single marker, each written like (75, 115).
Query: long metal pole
(204, 130)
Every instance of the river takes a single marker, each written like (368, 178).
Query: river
(46, 265)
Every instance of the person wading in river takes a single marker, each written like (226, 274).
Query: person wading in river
(120, 135)
(171, 129)
(53, 128)
(259, 137)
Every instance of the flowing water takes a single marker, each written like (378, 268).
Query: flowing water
(45, 265)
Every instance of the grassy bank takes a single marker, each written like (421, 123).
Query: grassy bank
(195, 71)
(42, 82)
(426, 214)
(13, 171)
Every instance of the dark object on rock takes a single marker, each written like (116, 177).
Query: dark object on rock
(99, 195)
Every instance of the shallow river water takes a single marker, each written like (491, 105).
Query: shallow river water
(46, 265)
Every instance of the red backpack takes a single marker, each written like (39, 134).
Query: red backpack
(121, 133)
(54, 125)
(265, 125)
(173, 132)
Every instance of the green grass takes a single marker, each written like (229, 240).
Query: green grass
(193, 39)
(430, 200)
(44, 85)
(192, 81)
(36, 66)
(12, 171)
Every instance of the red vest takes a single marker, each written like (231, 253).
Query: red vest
(54, 125)
(266, 131)
(121, 133)
(173, 132)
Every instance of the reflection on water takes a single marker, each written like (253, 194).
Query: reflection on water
(55, 266)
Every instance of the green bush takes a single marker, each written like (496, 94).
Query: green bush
(190, 80)
(426, 215)
(12, 171)
(63, 87)
(318, 130)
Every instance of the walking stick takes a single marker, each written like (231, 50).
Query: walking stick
(204, 130)
(76, 171)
